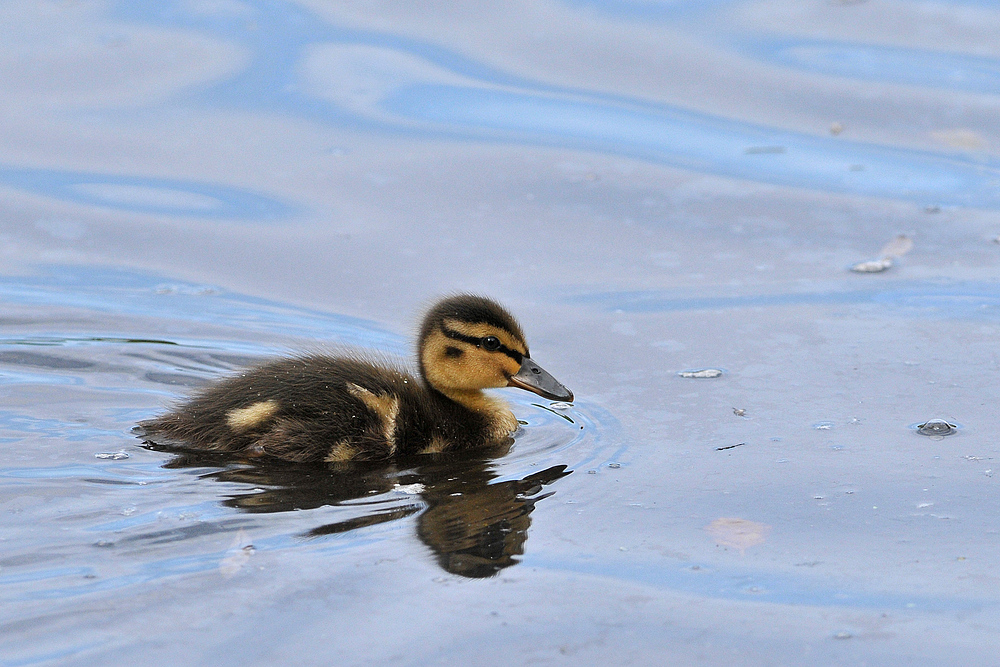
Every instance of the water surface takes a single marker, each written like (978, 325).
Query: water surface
(651, 186)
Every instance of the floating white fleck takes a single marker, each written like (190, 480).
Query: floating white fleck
(892, 250)
(873, 265)
(409, 489)
(703, 373)
(113, 456)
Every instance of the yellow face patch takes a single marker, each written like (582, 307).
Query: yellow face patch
(244, 419)
(457, 366)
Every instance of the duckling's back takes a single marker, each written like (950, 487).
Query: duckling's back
(318, 408)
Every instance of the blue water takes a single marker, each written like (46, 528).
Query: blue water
(650, 186)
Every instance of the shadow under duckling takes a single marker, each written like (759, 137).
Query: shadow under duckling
(340, 409)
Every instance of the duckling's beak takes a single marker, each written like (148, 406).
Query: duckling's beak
(536, 379)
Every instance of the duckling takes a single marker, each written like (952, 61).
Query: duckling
(339, 409)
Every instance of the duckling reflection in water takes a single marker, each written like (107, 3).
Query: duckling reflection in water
(474, 527)
(345, 409)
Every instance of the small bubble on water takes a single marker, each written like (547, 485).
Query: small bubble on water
(615, 465)
(823, 426)
(702, 373)
(591, 472)
(112, 456)
(560, 405)
(936, 427)
(843, 635)
(103, 543)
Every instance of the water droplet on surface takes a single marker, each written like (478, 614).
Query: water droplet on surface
(615, 465)
(702, 373)
(936, 427)
(843, 635)
(591, 472)
(560, 405)
(823, 426)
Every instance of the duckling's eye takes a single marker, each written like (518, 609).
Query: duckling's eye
(491, 343)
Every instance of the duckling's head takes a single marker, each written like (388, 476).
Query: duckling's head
(469, 343)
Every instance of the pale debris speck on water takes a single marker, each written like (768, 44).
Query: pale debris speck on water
(112, 456)
(892, 250)
(703, 373)
(409, 489)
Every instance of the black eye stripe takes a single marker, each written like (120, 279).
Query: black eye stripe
(478, 342)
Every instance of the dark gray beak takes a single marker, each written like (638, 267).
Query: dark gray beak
(536, 379)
